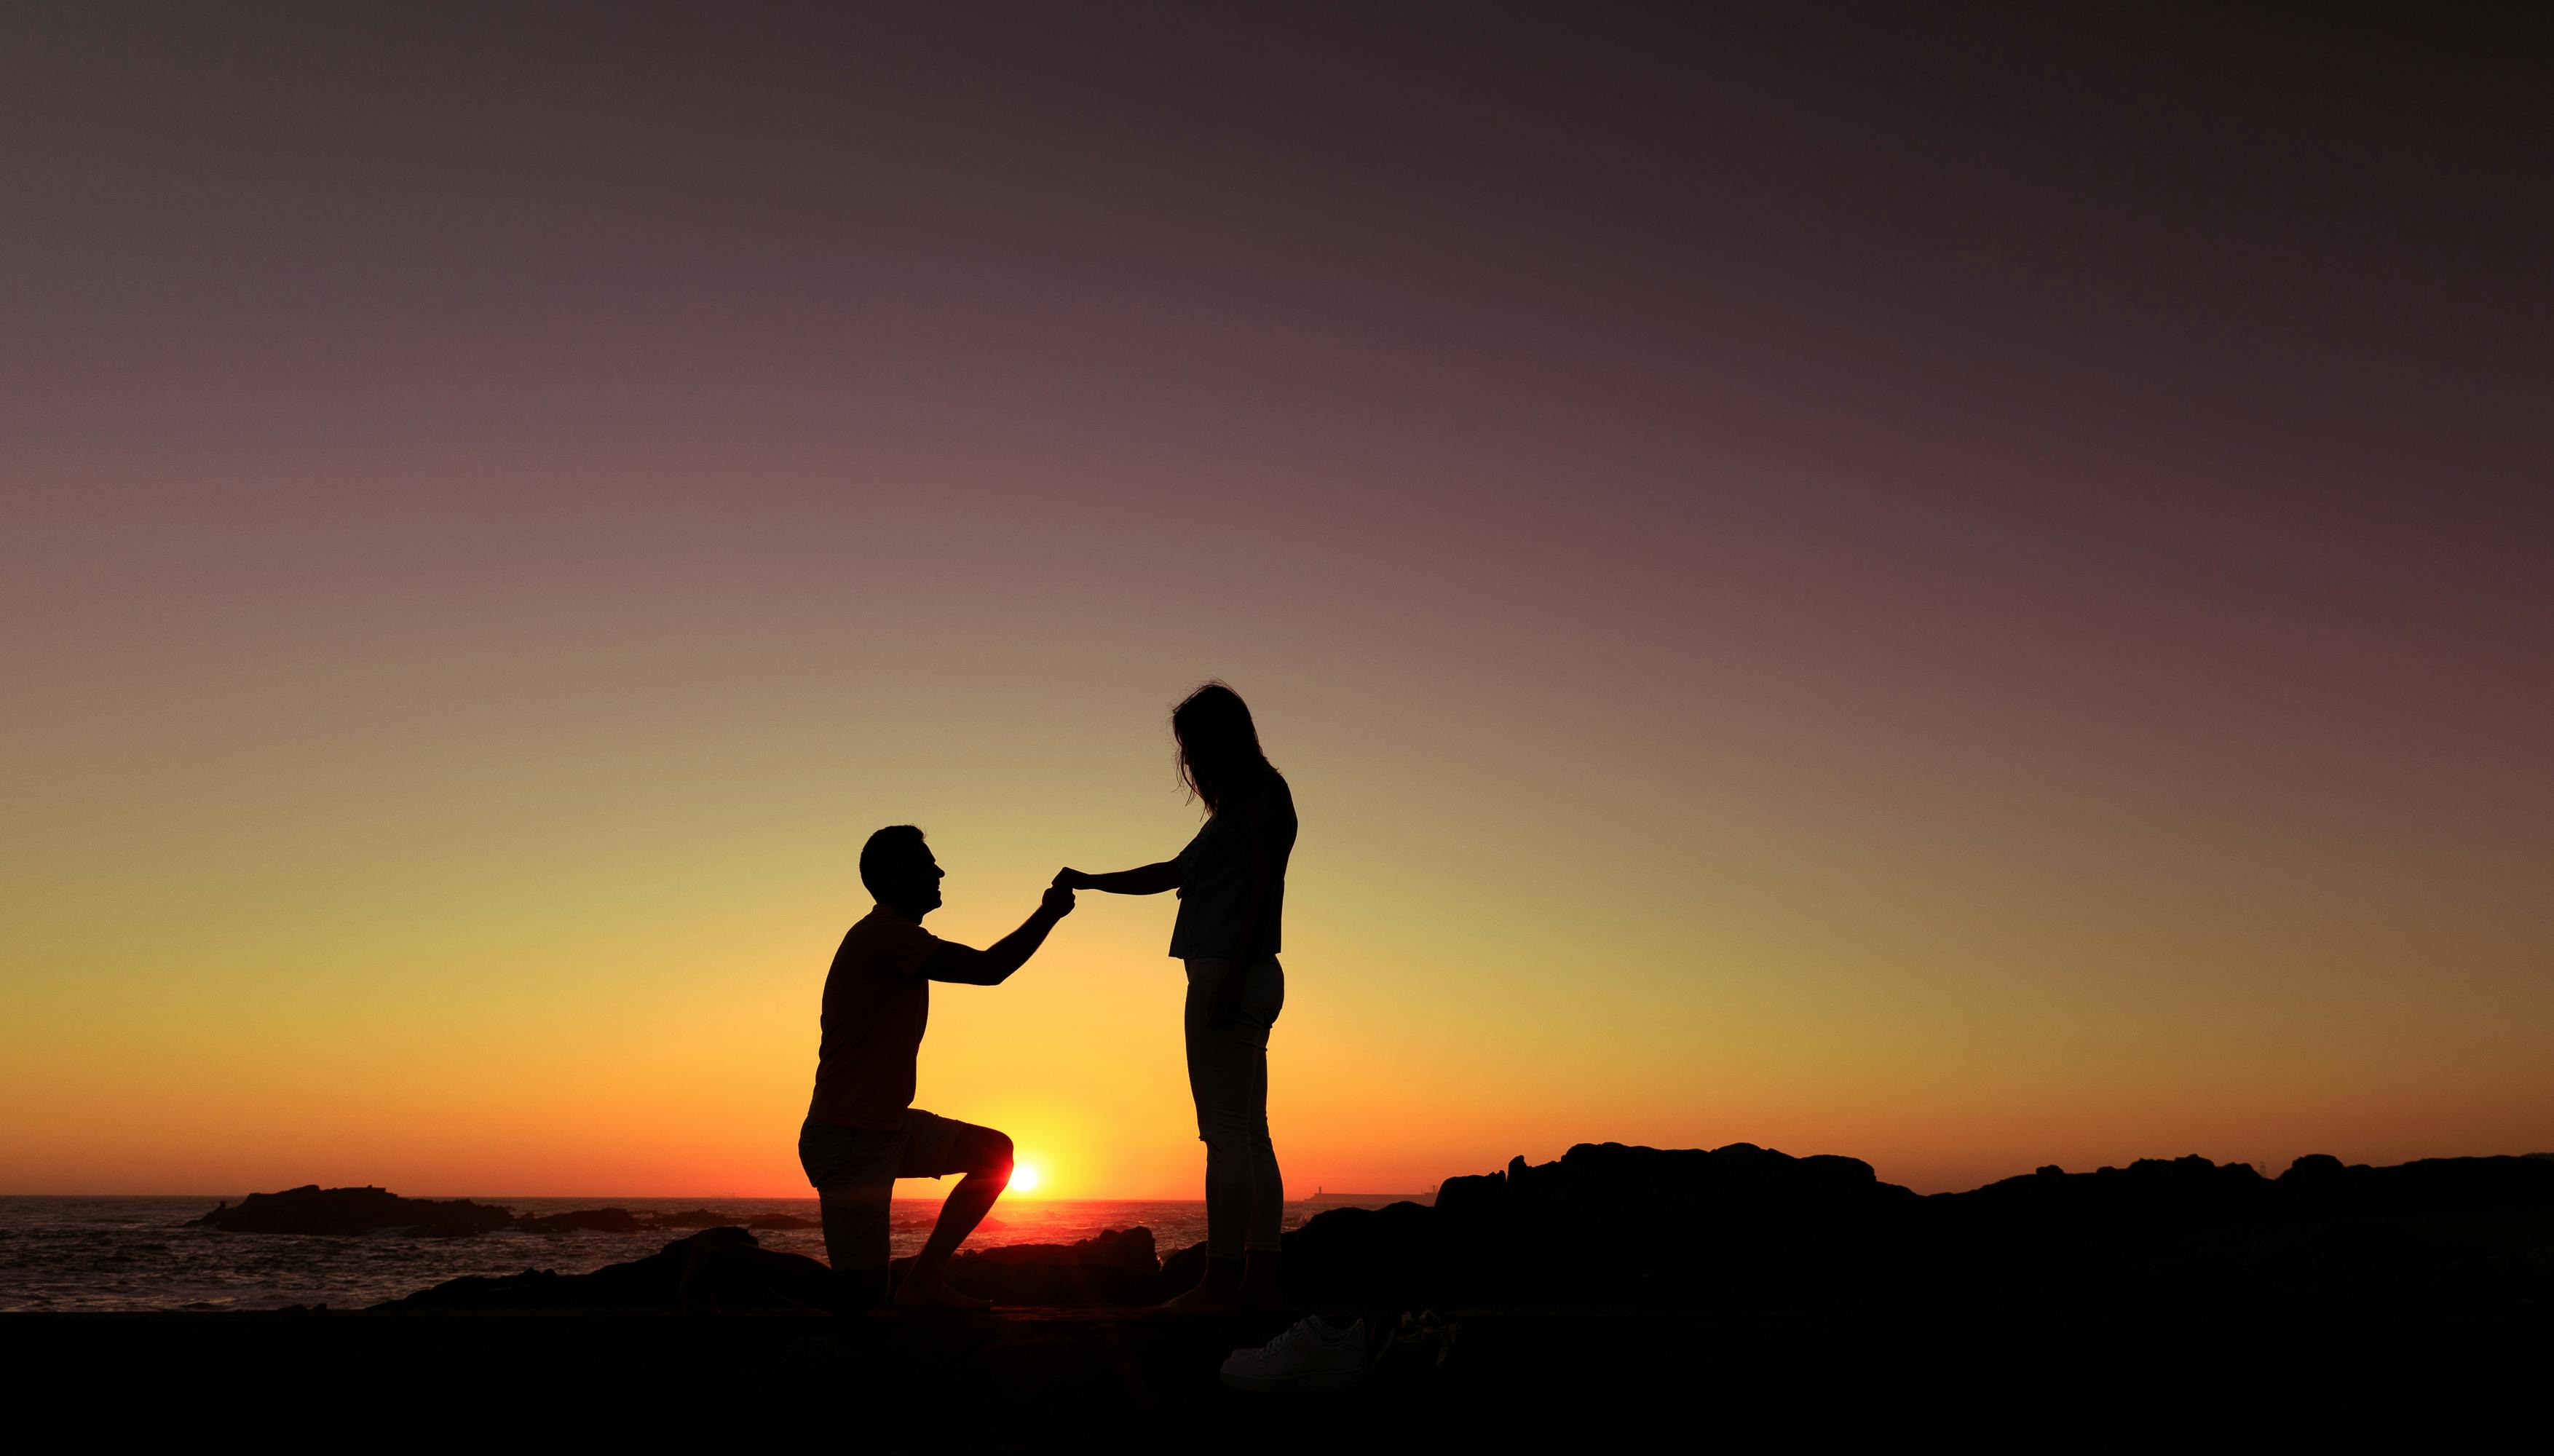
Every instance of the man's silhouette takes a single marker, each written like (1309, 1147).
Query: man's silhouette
(862, 1131)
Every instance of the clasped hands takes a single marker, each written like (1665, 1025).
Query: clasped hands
(1059, 895)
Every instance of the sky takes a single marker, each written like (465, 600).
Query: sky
(1965, 588)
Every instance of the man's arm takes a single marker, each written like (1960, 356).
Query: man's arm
(1148, 879)
(992, 965)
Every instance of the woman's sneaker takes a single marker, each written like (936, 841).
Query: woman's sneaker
(1311, 1355)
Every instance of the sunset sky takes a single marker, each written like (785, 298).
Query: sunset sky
(1965, 591)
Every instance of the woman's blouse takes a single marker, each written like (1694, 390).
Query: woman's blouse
(1215, 877)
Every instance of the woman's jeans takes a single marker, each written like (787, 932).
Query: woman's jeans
(1229, 1077)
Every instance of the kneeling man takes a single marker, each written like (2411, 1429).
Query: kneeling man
(862, 1131)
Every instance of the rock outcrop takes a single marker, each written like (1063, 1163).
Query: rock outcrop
(313, 1209)
(726, 1269)
(1620, 1228)
(1612, 1227)
(583, 1220)
(1608, 1226)
(1119, 1266)
(652, 1282)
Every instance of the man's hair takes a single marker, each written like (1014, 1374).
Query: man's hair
(887, 851)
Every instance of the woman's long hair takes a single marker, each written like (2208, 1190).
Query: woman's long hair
(1219, 745)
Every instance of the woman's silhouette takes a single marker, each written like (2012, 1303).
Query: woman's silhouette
(1231, 882)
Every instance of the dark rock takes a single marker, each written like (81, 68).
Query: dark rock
(726, 1270)
(2318, 1186)
(1608, 1225)
(1352, 1258)
(1182, 1271)
(598, 1220)
(1118, 1267)
(1621, 1228)
(313, 1209)
(1463, 1194)
(720, 1269)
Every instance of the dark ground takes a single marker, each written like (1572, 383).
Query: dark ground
(2187, 1376)
(1769, 1302)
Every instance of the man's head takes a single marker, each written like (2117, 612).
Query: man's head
(899, 872)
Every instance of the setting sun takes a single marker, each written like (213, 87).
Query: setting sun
(1024, 1178)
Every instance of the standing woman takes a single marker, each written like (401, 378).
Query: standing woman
(1231, 885)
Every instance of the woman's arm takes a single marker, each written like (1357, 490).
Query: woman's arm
(1149, 879)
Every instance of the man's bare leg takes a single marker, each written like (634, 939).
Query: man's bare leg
(986, 1156)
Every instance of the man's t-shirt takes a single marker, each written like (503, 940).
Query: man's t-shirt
(875, 1004)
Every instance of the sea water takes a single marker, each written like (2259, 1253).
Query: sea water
(138, 1252)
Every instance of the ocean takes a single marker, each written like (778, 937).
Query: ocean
(135, 1253)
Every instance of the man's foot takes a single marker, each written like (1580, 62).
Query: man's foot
(1311, 1355)
(917, 1296)
(1219, 1292)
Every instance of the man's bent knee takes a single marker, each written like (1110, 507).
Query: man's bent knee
(990, 1153)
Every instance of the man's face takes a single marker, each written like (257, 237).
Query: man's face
(917, 886)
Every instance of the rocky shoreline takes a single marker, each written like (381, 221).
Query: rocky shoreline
(1609, 1226)
(1615, 1294)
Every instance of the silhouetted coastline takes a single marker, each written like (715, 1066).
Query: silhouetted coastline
(1743, 1222)
(313, 1209)
(1739, 1216)
(1767, 1296)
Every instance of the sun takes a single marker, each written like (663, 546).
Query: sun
(1024, 1178)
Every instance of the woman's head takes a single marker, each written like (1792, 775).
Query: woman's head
(1219, 745)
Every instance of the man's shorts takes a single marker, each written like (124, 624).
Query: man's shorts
(855, 1170)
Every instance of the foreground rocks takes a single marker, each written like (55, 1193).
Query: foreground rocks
(1119, 1266)
(681, 1274)
(1610, 1298)
(2079, 1375)
(1608, 1227)
(726, 1270)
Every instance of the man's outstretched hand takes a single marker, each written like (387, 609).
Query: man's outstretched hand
(1072, 879)
(1058, 900)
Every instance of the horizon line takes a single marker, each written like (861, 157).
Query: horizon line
(807, 1197)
